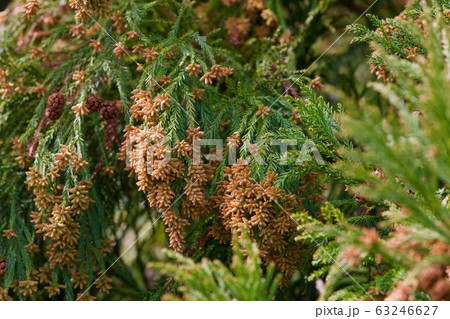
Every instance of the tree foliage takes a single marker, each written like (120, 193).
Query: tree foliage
(317, 193)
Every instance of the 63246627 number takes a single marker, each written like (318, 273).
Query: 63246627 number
(404, 310)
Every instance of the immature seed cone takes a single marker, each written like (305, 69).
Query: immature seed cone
(55, 105)
(110, 138)
(109, 111)
(93, 103)
(2, 266)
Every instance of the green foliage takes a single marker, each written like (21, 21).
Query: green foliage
(212, 280)
(272, 50)
(401, 157)
(180, 35)
(409, 146)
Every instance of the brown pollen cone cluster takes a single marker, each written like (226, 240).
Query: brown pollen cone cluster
(86, 8)
(156, 167)
(256, 16)
(57, 222)
(263, 211)
(239, 203)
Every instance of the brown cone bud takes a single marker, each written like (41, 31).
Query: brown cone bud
(93, 103)
(109, 110)
(55, 105)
